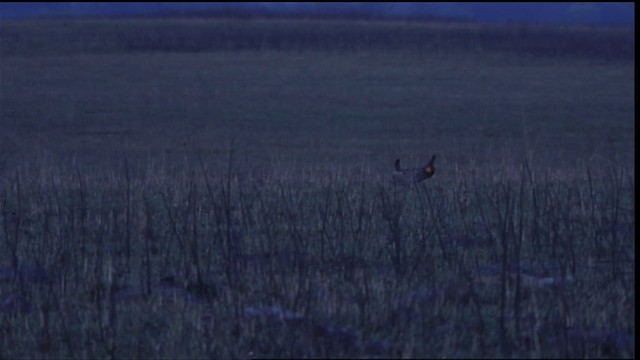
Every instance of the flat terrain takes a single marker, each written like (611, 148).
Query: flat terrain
(348, 94)
(222, 188)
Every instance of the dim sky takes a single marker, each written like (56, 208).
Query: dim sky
(576, 13)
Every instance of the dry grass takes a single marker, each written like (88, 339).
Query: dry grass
(239, 203)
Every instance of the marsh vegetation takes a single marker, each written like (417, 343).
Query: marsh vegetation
(222, 188)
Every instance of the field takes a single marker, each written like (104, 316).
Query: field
(205, 187)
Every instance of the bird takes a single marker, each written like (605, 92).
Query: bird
(414, 174)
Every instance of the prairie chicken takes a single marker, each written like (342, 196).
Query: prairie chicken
(414, 174)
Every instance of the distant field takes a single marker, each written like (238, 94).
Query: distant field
(221, 188)
(325, 92)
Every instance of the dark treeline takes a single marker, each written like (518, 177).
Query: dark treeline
(601, 14)
(202, 35)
